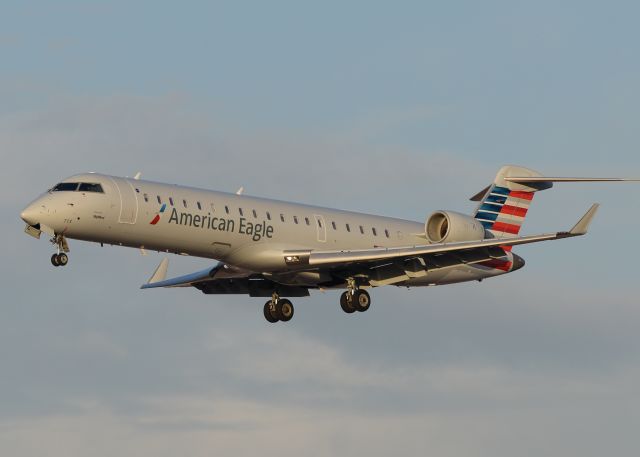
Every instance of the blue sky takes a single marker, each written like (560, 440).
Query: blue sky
(397, 109)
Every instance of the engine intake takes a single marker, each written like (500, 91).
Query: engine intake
(449, 226)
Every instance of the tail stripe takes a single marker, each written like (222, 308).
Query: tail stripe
(485, 216)
(503, 210)
(507, 228)
(522, 195)
(514, 210)
(491, 207)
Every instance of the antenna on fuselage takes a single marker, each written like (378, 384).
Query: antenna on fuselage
(138, 175)
(239, 191)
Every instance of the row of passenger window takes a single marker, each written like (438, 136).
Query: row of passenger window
(227, 210)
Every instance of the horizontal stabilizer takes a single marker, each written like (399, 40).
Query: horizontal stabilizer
(543, 179)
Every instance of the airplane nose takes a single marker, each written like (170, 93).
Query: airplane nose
(30, 215)
(518, 262)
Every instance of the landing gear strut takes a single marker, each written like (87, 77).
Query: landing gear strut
(354, 299)
(60, 259)
(278, 309)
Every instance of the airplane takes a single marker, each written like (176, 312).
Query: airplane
(276, 249)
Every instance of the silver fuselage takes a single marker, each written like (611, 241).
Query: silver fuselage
(248, 232)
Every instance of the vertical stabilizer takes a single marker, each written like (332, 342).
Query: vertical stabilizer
(504, 205)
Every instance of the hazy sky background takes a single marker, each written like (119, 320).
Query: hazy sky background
(397, 108)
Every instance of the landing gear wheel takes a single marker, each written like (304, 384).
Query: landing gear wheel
(345, 304)
(55, 261)
(63, 259)
(361, 300)
(284, 310)
(268, 315)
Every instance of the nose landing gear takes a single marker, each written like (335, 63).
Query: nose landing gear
(60, 259)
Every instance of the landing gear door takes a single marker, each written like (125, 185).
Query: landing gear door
(321, 227)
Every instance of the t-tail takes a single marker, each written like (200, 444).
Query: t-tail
(504, 204)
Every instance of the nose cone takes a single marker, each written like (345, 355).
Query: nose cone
(518, 262)
(30, 214)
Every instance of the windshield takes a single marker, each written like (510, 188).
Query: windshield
(65, 186)
(78, 186)
(90, 187)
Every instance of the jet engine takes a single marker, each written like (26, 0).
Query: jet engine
(449, 226)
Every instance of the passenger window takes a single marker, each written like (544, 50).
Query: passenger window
(171, 201)
(137, 190)
(295, 219)
(306, 219)
(282, 217)
(255, 214)
(226, 209)
(240, 211)
(319, 222)
(268, 216)
(375, 233)
(184, 203)
(159, 200)
(386, 233)
(199, 206)
(90, 187)
(348, 228)
(213, 208)
(362, 229)
(146, 198)
(333, 224)
(65, 186)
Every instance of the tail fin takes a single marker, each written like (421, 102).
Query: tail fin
(504, 204)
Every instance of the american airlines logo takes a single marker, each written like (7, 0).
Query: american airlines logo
(256, 230)
(157, 218)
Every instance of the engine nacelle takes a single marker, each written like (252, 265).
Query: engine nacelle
(449, 226)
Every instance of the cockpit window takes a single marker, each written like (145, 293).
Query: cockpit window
(90, 187)
(65, 186)
(78, 186)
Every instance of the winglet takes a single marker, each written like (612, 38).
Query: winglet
(161, 272)
(582, 226)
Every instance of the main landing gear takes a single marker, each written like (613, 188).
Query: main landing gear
(278, 309)
(354, 299)
(60, 259)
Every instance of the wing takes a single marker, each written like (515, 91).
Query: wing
(392, 265)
